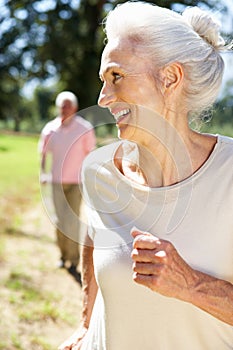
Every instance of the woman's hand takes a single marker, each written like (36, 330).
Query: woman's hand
(158, 266)
(75, 341)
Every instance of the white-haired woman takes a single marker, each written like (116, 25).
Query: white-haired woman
(157, 266)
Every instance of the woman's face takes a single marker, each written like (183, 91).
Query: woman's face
(128, 82)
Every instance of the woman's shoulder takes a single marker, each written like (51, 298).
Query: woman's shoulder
(225, 139)
(225, 145)
(222, 159)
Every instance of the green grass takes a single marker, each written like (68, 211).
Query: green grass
(41, 305)
(19, 161)
(40, 343)
(27, 304)
(2, 248)
(19, 180)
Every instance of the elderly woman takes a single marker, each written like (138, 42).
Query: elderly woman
(158, 262)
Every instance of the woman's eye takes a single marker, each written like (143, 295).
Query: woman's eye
(116, 77)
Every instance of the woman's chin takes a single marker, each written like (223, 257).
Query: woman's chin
(125, 132)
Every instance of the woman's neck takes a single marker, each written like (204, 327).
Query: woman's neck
(165, 161)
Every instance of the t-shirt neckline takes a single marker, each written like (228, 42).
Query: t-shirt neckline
(178, 185)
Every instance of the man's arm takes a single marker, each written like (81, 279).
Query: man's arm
(43, 149)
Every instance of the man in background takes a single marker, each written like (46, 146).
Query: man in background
(68, 138)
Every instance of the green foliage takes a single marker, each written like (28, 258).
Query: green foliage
(44, 100)
(41, 39)
(212, 128)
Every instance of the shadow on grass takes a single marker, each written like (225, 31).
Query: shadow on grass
(17, 232)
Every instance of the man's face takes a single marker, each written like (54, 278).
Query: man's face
(67, 109)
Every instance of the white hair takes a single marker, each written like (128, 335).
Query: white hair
(66, 95)
(192, 39)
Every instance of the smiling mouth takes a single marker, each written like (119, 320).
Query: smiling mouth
(119, 116)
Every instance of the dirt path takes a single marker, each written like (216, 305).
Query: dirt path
(39, 304)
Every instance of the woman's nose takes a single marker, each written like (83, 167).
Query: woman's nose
(106, 96)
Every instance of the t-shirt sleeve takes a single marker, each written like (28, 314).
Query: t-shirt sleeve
(43, 145)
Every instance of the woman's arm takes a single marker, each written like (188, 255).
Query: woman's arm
(89, 291)
(213, 295)
(158, 266)
(89, 284)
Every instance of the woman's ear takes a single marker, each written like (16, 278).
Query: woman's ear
(172, 77)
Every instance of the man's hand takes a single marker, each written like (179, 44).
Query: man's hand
(45, 178)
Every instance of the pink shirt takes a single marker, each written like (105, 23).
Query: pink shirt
(69, 144)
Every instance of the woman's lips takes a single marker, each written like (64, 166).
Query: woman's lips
(120, 115)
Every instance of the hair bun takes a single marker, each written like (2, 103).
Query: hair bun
(205, 26)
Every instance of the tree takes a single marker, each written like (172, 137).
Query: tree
(62, 38)
(224, 106)
(18, 46)
(42, 99)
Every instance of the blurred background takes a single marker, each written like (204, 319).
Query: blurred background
(48, 46)
(45, 47)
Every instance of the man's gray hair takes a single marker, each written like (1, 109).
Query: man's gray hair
(66, 95)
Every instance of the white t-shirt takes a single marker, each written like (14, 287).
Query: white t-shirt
(195, 215)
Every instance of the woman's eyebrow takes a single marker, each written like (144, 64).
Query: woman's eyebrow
(108, 68)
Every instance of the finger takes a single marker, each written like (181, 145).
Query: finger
(145, 280)
(147, 268)
(143, 239)
(65, 347)
(135, 232)
(146, 242)
(78, 346)
(148, 255)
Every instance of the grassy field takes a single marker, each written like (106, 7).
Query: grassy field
(19, 180)
(19, 163)
(39, 304)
